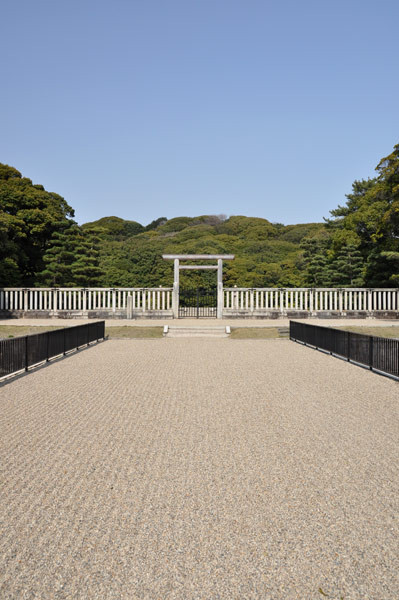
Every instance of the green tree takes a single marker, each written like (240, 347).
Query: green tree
(370, 220)
(72, 258)
(86, 270)
(347, 267)
(11, 232)
(115, 228)
(29, 215)
(315, 262)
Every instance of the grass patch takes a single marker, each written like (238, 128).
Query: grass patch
(128, 332)
(11, 331)
(122, 332)
(380, 331)
(255, 333)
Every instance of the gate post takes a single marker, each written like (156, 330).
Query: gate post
(175, 296)
(219, 313)
(129, 307)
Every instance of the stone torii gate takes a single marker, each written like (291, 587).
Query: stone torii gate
(218, 267)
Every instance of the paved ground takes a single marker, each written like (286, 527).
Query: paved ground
(205, 322)
(199, 469)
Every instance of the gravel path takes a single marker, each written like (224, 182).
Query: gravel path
(199, 469)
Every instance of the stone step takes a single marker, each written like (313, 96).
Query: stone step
(214, 332)
(197, 335)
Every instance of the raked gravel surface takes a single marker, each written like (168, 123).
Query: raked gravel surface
(199, 469)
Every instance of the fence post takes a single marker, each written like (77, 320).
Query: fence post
(251, 301)
(64, 341)
(348, 346)
(129, 307)
(371, 345)
(26, 353)
(220, 293)
(113, 300)
(47, 346)
(143, 299)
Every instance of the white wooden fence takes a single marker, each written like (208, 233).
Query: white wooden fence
(80, 299)
(236, 301)
(310, 299)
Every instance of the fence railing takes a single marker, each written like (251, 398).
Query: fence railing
(83, 299)
(311, 299)
(376, 353)
(19, 353)
(245, 300)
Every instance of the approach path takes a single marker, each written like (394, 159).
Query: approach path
(199, 469)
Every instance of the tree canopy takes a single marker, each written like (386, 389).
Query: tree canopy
(29, 215)
(370, 222)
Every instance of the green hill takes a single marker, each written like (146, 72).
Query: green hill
(267, 254)
(115, 227)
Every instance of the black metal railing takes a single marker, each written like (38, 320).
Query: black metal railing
(23, 352)
(376, 353)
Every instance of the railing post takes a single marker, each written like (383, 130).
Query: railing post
(129, 307)
(113, 300)
(26, 353)
(143, 299)
(348, 341)
(371, 345)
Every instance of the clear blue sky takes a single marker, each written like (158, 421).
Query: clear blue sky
(149, 108)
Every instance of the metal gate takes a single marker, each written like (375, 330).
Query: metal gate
(197, 304)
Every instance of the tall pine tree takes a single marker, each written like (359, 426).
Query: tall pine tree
(347, 267)
(72, 258)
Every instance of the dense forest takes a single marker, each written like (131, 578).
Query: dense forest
(358, 245)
